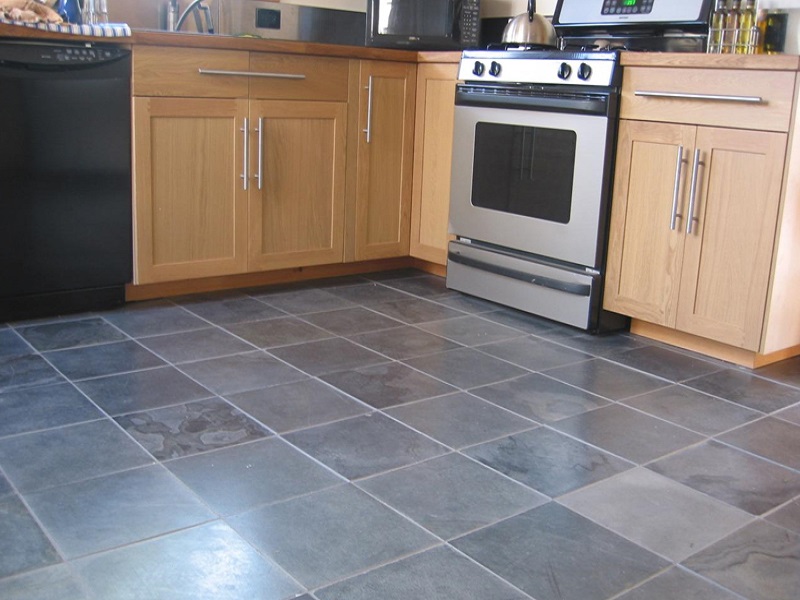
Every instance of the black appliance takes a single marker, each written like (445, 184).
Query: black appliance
(424, 24)
(65, 175)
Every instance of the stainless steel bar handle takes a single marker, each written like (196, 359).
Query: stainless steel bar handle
(368, 130)
(690, 218)
(260, 172)
(714, 97)
(245, 169)
(251, 74)
(677, 190)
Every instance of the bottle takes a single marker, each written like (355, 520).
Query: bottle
(718, 18)
(730, 34)
(761, 24)
(172, 14)
(775, 36)
(748, 33)
(69, 10)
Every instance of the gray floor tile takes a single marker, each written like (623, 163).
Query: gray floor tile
(404, 342)
(466, 367)
(142, 390)
(43, 407)
(747, 389)
(105, 359)
(669, 364)
(548, 461)
(226, 308)
(451, 495)
(241, 373)
(210, 562)
(69, 334)
(28, 370)
(791, 414)
(771, 438)
(541, 551)
(628, 433)
(191, 428)
(51, 583)
(416, 310)
(678, 584)
(656, 512)
(760, 562)
(369, 293)
(199, 344)
(5, 488)
(35, 461)
(387, 384)
(787, 516)
(459, 420)
(520, 320)
(299, 302)
(12, 344)
(540, 398)
(283, 331)
(426, 286)
(157, 317)
(787, 371)
(732, 476)
(241, 477)
(328, 356)
(607, 379)
(437, 574)
(468, 304)
(297, 405)
(471, 330)
(692, 409)
(107, 512)
(329, 535)
(604, 345)
(23, 545)
(351, 321)
(534, 353)
(364, 446)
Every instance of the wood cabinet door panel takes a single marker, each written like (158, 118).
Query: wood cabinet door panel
(645, 253)
(191, 209)
(297, 217)
(433, 148)
(728, 256)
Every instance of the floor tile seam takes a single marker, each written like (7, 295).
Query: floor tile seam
(102, 417)
(617, 358)
(751, 452)
(481, 348)
(518, 335)
(666, 380)
(776, 509)
(262, 505)
(403, 326)
(687, 385)
(623, 404)
(682, 569)
(65, 564)
(344, 336)
(63, 318)
(683, 385)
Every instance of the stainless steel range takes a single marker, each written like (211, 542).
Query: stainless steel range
(533, 144)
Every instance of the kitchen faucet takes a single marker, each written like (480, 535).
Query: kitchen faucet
(195, 7)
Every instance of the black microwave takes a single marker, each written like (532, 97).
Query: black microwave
(424, 24)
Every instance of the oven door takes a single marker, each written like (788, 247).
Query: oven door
(531, 179)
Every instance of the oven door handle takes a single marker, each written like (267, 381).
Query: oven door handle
(576, 289)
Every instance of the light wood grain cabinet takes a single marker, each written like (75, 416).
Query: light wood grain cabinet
(698, 211)
(380, 156)
(433, 147)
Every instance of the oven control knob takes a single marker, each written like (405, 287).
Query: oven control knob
(584, 72)
(479, 68)
(495, 69)
(564, 71)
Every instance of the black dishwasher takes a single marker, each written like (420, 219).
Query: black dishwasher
(65, 178)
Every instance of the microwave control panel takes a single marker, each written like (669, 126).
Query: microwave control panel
(470, 22)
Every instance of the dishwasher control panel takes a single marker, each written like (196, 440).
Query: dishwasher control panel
(44, 55)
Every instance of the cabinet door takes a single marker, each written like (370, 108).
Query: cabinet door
(433, 149)
(297, 215)
(384, 160)
(645, 251)
(190, 205)
(728, 255)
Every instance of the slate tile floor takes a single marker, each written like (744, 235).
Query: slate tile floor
(384, 438)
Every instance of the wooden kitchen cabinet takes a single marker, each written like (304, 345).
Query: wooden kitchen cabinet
(433, 147)
(380, 157)
(712, 288)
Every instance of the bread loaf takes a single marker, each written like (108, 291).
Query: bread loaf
(28, 11)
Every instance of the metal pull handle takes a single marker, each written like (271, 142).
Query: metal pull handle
(368, 130)
(690, 219)
(713, 97)
(251, 74)
(260, 173)
(677, 190)
(246, 137)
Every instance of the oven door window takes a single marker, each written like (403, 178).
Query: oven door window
(525, 171)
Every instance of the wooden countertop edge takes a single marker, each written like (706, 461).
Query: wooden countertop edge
(761, 62)
(190, 40)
